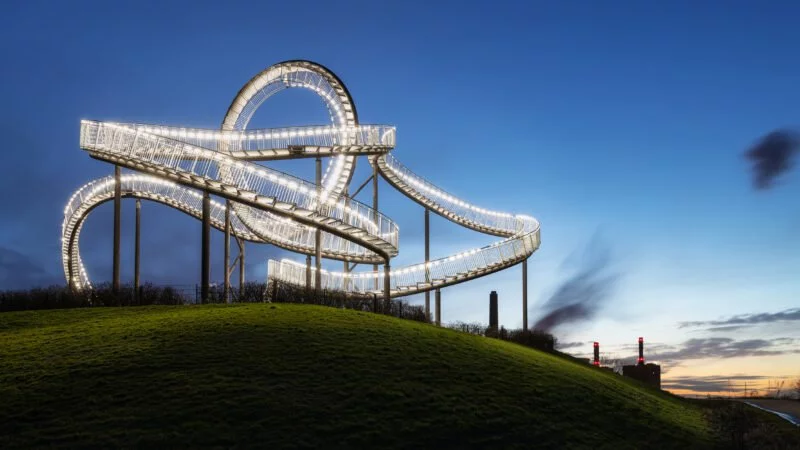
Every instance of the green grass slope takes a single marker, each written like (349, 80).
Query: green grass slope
(293, 376)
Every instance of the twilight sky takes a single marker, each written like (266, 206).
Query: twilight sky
(621, 124)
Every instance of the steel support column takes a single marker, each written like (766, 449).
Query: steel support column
(308, 273)
(524, 294)
(346, 281)
(375, 208)
(241, 265)
(117, 216)
(318, 236)
(226, 287)
(137, 241)
(387, 284)
(346, 216)
(205, 270)
(438, 295)
(427, 260)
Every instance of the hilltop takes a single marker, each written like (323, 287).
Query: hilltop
(294, 376)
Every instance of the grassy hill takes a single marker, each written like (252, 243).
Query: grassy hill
(292, 376)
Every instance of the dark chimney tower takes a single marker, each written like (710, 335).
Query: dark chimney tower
(596, 361)
(493, 321)
(640, 361)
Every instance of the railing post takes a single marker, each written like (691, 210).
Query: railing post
(205, 270)
(117, 215)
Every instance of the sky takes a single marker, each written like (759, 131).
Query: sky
(619, 126)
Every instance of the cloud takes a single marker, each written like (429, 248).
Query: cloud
(792, 314)
(726, 328)
(712, 383)
(772, 156)
(725, 347)
(566, 345)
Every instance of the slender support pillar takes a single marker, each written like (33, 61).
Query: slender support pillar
(427, 260)
(387, 284)
(318, 263)
(308, 273)
(375, 207)
(241, 265)
(346, 264)
(438, 296)
(346, 283)
(137, 242)
(318, 237)
(117, 216)
(227, 281)
(205, 270)
(524, 294)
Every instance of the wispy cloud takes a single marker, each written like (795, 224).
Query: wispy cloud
(792, 314)
(726, 328)
(725, 347)
(712, 383)
(566, 345)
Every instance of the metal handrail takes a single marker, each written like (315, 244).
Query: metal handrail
(294, 194)
(467, 214)
(412, 279)
(255, 140)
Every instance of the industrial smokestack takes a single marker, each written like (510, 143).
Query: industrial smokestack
(596, 361)
(641, 351)
(493, 321)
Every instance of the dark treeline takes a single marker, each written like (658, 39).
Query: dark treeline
(537, 339)
(59, 297)
(278, 292)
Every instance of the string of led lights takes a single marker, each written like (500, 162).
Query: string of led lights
(179, 166)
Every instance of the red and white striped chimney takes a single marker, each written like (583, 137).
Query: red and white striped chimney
(596, 361)
(641, 351)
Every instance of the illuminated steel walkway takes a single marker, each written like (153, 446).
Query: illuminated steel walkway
(181, 167)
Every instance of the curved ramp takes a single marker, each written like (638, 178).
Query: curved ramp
(521, 232)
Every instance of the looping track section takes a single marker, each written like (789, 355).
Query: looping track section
(175, 166)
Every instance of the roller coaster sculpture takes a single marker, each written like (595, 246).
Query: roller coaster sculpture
(181, 167)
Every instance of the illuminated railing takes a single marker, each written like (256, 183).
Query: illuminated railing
(141, 186)
(415, 186)
(379, 136)
(521, 232)
(271, 206)
(303, 75)
(420, 277)
(274, 190)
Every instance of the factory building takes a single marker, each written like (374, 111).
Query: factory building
(647, 373)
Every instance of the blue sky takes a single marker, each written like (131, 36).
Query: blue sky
(628, 119)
